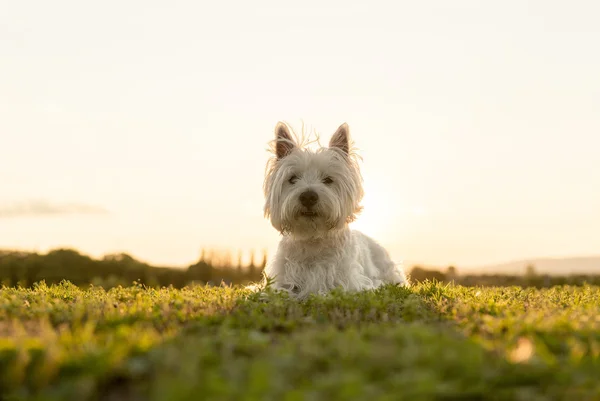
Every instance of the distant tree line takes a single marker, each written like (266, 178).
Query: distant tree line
(213, 268)
(529, 279)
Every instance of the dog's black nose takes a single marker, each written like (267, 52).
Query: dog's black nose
(309, 198)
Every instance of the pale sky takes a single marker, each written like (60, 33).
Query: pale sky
(478, 122)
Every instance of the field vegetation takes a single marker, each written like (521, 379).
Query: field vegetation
(432, 341)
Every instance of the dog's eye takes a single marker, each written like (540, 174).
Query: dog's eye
(327, 180)
(293, 179)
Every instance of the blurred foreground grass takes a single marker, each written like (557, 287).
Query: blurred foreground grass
(428, 342)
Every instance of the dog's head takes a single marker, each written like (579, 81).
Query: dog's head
(310, 193)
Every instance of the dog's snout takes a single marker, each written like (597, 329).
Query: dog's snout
(309, 198)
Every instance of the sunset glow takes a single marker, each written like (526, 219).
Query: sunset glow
(142, 127)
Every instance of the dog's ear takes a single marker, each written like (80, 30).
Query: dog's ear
(341, 139)
(284, 142)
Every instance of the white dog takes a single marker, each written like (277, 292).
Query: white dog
(311, 197)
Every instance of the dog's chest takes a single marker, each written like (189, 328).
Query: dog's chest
(309, 258)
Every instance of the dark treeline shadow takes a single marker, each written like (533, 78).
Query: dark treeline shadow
(213, 268)
(529, 279)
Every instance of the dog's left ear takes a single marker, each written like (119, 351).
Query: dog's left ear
(341, 139)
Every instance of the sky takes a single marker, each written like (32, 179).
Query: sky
(143, 126)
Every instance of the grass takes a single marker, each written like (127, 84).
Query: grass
(430, 342)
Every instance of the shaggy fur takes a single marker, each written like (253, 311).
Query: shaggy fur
(310, 198)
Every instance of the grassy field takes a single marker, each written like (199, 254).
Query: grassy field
(425, 343)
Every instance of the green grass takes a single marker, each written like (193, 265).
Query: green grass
(428, 342)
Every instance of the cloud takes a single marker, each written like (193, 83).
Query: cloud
(45, 208)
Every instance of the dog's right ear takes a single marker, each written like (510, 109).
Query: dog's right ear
(285, 144)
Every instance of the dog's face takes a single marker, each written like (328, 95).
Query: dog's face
(310, 193)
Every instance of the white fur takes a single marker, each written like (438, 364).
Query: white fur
(319, 252)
